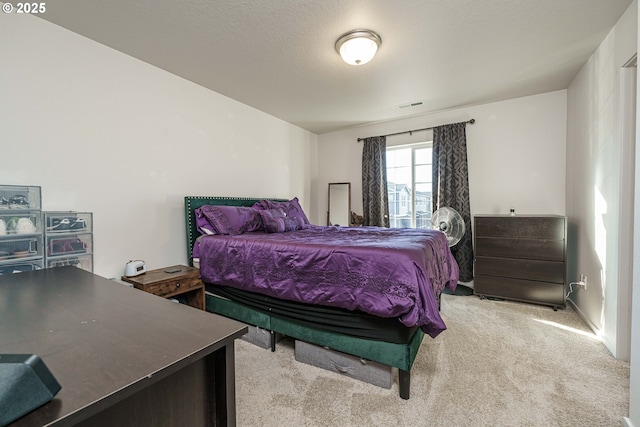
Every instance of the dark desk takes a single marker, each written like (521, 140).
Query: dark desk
(123, 357)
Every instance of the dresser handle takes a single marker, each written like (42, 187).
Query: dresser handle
(177, 285)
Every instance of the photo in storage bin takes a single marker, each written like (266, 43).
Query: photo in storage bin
(68, 222)
(19, 197)
(69, 245)
(84, 262)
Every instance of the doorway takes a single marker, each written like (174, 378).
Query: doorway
(628, 93)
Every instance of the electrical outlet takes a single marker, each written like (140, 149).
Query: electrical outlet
(583, 281)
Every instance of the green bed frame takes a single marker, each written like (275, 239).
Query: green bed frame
(400, 356)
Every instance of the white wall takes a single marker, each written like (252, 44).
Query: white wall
(599, 197)
(106, 133)
(634, 359)
(594, 177)
(516, 154)
(634, 380)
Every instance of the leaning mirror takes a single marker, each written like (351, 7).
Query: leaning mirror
(339, 211)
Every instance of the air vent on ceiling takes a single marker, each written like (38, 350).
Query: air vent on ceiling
(411, 105)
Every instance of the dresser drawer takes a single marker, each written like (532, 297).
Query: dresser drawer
(548, 227)
(173, 286)
(541, 271)
(537, 249)
(521, 290)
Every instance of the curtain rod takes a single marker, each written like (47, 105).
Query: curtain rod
(472, 121)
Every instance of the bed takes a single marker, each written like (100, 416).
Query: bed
(369, 309)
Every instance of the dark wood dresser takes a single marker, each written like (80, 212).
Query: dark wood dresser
(521, 258)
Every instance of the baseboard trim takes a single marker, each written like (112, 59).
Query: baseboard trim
(589, 323)
(609, 345)
(625, 422)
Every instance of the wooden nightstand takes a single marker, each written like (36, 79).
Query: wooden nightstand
(167, 283)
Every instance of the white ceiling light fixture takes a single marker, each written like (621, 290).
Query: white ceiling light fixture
(357, 47)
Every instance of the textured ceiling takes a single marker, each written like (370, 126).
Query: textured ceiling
(278, 55)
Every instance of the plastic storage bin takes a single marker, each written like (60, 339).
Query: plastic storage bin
(68, 222)
(21, 230)
(84, 262)
(69, 239)
(20, 197)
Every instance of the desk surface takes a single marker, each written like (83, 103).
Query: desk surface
(101, 340)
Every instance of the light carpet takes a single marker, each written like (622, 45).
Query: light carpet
(499, 363)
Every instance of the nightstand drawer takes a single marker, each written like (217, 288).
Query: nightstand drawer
(170, 287)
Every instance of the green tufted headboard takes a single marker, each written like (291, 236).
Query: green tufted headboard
(191, 203)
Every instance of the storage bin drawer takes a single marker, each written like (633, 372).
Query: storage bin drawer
(528, 269)
(20, 197)
(550, 250)
(261, 337)
(19, 267)
(69, 222)
(69, 245)
(19, 248)
(17, 224)
(344, 364)
(85, 262)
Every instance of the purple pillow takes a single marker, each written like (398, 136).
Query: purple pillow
(282, 225)
(292, 208)
(277, 221)
(269, 214)
(202, 223)
(230, 219)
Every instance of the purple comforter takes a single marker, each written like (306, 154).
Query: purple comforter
(386, 272)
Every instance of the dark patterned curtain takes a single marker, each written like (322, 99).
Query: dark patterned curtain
(375, 199)
(451, 186)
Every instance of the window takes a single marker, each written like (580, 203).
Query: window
(409, 185)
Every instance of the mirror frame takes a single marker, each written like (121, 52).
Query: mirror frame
(348, 203)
